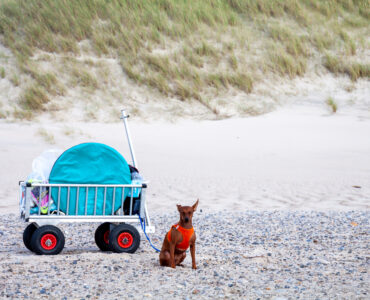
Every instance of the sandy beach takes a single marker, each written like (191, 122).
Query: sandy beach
(283, 213)
(247, 255)
(298, 157)
(259, 109)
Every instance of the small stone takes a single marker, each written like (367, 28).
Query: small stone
(42, 291)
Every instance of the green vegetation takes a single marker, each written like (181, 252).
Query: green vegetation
(189, 49)
(81, 77)
(354, 70)
(15, 80)
(34, 98)
(331, 103)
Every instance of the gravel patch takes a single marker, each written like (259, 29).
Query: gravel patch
(247, 255)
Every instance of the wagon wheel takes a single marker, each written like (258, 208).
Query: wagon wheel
(102, 236)
(124, 238)
(27, 235)
(47, 240)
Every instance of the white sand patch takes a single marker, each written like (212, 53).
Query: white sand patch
(299, 157)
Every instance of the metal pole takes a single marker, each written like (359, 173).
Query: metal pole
(124, 117)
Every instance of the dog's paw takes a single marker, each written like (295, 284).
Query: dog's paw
(194, 267)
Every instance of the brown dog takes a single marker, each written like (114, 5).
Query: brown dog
(179, 238)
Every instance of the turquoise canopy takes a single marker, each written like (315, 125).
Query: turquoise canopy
(90, 163)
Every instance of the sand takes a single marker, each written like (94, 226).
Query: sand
(298, 157)
(283, 212)
(248, 255)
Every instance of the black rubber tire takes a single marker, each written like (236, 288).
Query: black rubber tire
(100, 232)
(40, 247)
(129, 244)
(27, 235)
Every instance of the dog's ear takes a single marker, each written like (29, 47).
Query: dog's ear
(195, 205)
(179, 207)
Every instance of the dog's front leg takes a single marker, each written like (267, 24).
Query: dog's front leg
(192, 251)
(172, 255)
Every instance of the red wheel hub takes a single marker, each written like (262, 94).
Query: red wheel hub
(125, 240)
(48, 241)
(106, 237)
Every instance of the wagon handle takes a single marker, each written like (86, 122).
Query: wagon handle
(124, 117)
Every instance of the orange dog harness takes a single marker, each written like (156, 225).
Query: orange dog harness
(186, 235)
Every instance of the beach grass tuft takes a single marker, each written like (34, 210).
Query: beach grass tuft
(332, 104)
(34, 98)
(353, 69)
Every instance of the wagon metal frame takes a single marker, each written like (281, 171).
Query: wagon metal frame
(55, 217)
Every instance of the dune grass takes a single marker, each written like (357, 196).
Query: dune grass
(33, 98)
(47, 136)
(353, 69)
(189, 49)
(332, 104)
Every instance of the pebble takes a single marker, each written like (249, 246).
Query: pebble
(290, 253)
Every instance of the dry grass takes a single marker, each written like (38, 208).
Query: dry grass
(83, 77)
(294, 45)
(242, 81)
(23, 114)
(284, 63)
(354, 70)
(187, 53)
(34, 98)
(14, 79)
(331, 103)
(323, 40)
(46, 135)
